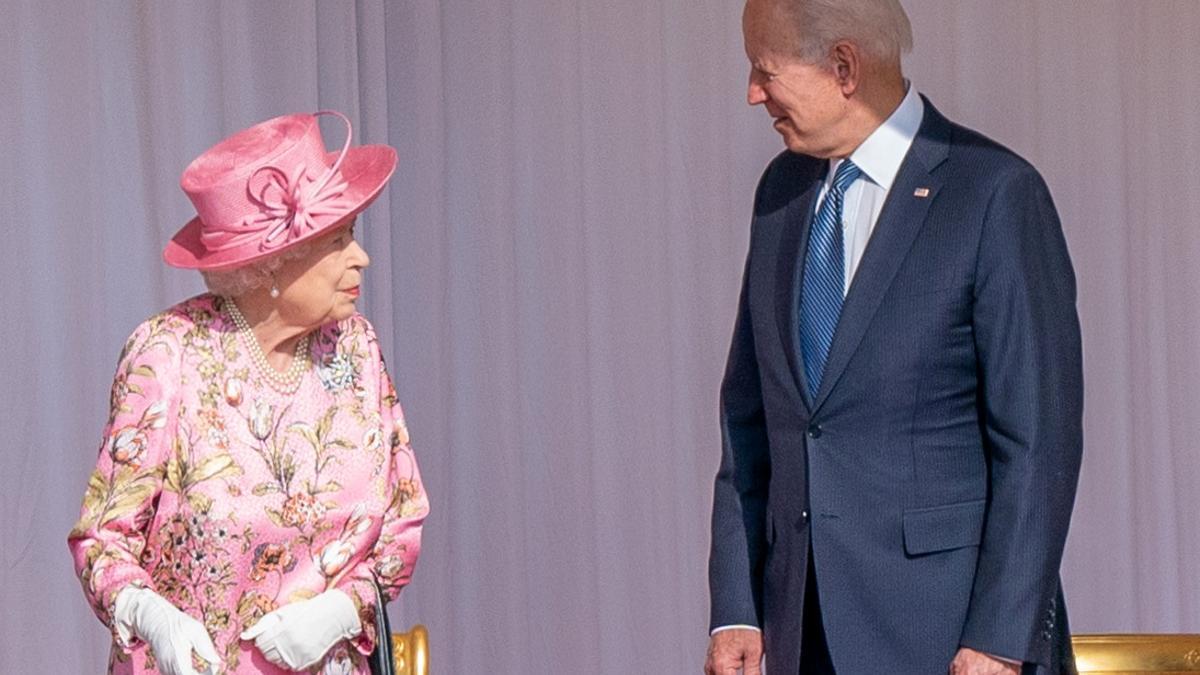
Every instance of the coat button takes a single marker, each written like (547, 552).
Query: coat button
(802, 522)
(814, 431)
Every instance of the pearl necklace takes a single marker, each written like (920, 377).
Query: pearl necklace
(284, 383)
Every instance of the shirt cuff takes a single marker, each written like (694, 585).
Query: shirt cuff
(740, 626)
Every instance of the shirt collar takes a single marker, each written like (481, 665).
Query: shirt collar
(879, 157)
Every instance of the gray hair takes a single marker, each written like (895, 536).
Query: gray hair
(879, 27)
(252, 276)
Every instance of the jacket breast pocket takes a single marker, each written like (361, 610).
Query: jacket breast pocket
(943, 528)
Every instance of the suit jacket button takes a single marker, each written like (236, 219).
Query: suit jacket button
(814, 431)
(803, 517)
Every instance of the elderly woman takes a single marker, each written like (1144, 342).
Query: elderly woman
(255, 489)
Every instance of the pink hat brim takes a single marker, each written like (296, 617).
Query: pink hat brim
(366, 170)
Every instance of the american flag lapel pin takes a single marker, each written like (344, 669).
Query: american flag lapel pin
(921, 192)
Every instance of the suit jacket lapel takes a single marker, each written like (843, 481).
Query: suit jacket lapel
(899, 222)
(793, 243)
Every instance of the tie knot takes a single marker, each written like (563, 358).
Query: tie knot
(847, 172)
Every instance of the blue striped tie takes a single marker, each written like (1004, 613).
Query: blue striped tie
(824, 278)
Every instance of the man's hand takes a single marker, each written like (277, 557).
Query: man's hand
(970, 662)
(734, 649)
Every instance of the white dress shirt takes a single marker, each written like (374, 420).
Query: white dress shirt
(879, 157)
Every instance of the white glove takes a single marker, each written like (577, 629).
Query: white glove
(298, 635)
(172, 634)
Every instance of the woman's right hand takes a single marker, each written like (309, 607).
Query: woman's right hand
(172, 634)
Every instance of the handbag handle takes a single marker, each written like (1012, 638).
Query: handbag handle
(382, 660)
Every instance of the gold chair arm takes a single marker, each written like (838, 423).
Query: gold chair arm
(411, 651)
(1126, 654)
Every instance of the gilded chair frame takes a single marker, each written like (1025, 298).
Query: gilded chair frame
(1127, 654)
(411, 651)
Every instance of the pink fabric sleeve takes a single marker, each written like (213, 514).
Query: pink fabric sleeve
(108, 540)
(394, 555)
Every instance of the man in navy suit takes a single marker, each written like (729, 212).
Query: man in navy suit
(902, 405)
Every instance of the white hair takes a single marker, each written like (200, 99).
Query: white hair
(253, 276)
(879, 27)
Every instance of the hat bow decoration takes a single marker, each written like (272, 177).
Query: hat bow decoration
(288, 205)
(292, 205)
(273, 186)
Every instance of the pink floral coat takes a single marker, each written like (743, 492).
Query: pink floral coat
(231, 499)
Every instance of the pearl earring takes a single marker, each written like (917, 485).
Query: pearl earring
(274, 290)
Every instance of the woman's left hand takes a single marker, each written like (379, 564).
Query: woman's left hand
(298, 635)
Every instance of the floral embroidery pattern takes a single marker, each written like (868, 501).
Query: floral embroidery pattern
(231, 500)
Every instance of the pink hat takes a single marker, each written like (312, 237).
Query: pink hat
(272, 186)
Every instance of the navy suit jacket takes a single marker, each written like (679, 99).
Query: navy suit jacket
(935, 469)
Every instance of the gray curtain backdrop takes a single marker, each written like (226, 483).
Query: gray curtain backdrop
(555, 269)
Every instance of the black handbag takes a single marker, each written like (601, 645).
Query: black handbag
(382, 660)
